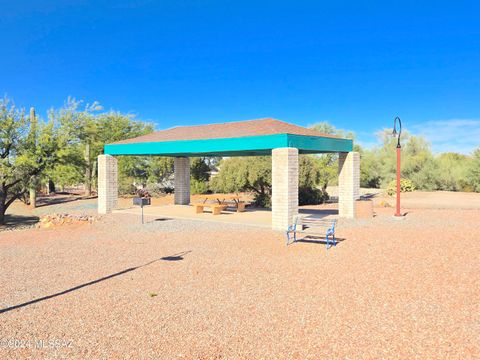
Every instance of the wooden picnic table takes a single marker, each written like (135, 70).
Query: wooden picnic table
(220, 197)
(223, 199)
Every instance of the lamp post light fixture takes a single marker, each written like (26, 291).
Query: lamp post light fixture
(399, 148)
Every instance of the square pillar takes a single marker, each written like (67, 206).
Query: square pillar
(348, 183)
(182, 180)
(107, 184)
(284, 187)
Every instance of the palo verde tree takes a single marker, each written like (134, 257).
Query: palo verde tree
(83, 133)
(114, 126)
(22, 158)
(328, 163)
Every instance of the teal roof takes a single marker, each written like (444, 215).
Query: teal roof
(207, 140)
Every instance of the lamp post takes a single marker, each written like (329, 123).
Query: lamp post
(399, 148)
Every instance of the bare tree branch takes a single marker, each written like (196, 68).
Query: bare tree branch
(13, 198)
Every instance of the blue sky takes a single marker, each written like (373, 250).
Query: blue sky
(354, 64)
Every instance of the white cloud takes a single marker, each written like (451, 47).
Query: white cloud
(369, 140)
(456, 135)
(367, 144)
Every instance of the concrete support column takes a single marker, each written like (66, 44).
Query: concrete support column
(348, 183)
(107, 184)
(284, 187)
(182, 180)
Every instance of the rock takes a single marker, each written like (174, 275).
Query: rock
(51, 220)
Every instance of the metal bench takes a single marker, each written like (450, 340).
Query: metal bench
(313, 227)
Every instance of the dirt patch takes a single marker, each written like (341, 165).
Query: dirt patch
(192, 289)
(435, 200)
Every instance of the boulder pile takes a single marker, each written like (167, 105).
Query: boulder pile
(51, 220)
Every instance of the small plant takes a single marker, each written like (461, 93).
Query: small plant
(385, 204)
(406, 185)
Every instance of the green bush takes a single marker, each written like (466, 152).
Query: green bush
(125, 186)
(157, 190)
(311, 196)
(198, 186)
(306, 196)
(474, 171)
(262, 200)
(406, 185)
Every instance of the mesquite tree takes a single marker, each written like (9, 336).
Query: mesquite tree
(83, 132)
(21, 158)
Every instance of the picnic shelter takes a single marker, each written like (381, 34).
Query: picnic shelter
(283, 141)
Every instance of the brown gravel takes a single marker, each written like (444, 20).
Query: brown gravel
(392, 289)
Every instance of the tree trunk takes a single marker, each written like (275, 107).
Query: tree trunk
(51, 187)
(33, 139)
(94, 182)
(33, 198)
(3, 209)
(88, 171)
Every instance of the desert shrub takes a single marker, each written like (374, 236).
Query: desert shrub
(198, 186)
(370, 169)
(199, 169)
(168, 190)
(311, 196)
(125, 186)
(155, 190)
(474, 171)
(452, 172)
(406, 185)
(254, 174)
(466, 187)
(263, 200)
(306, 196)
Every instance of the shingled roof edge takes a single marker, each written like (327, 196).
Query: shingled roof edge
(235, 129)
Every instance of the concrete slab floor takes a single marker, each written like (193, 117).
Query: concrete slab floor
(251, 217)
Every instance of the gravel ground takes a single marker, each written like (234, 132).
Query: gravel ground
(192, 289)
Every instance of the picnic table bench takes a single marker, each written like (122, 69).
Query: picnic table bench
(313, 227)
(219, 202)
(216, 208)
